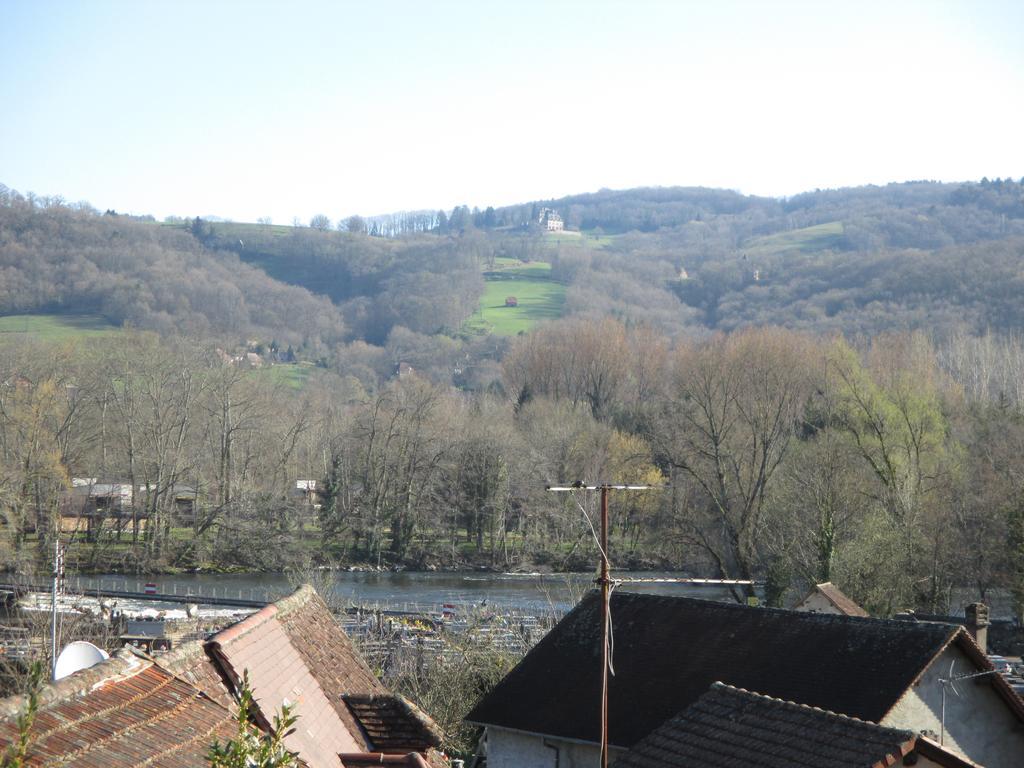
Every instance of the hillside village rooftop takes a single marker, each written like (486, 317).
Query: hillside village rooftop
(668, 651)
(132, 710)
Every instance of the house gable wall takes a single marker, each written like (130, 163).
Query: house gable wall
(817, 603)
(515, 749)
(978, 724)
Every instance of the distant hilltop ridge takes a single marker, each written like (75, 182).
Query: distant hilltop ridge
(917, 254)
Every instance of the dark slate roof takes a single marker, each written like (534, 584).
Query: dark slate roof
(731, 728)
(122, 712)
(393, 724)
(669, 650)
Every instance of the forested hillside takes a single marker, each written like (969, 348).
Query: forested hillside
(367, 295)
(831, 384)
(426, 283)
(60, 259)
(894, 468)
(916, 255)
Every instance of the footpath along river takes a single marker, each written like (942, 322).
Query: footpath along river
(523, 593)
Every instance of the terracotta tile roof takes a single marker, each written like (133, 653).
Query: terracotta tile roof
(393, 724)
(327, 651)
(294, 651)
(277, 673)
(132, 709)
(125, 711)
(941, 756)
(668, 651)
(834, 595)
(732, 728)
(191, 662)
(411, 760)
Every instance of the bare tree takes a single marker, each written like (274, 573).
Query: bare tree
(731, 415)
(320, 223)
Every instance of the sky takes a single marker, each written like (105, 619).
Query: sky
(289, 109)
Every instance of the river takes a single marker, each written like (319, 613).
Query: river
(529, 593)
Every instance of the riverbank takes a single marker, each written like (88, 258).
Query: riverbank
(540, 593)
(576, 565)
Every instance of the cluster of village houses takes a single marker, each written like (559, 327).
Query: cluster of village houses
(90, 502)
(695, 683)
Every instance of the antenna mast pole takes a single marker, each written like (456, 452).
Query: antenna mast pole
(58, 567)
(604, 582)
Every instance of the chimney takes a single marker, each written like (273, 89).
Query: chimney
(977, 624)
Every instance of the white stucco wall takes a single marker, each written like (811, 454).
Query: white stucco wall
(979, 725)
(816, 603)
(513, 749)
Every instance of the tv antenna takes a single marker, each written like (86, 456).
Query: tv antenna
(604, 582)
(950, 682)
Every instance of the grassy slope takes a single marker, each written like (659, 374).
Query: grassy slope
(581, 239)
(239, 229)
(74, 328)
(540, 298)
(293, 376)
(54, 327)
(821, 237)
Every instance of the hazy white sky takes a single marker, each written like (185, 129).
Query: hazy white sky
(247, 109)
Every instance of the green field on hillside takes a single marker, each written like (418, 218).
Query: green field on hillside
(54, 327)
(821, 237)
(539, 298)
(581, 239)
(236, 229)
(291, 375)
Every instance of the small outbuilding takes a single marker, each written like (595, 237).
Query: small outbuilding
(828, 598)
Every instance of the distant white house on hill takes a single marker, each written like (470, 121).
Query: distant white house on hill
(550, 220)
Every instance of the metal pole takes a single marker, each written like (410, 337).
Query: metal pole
(53, 610)
(605, 582)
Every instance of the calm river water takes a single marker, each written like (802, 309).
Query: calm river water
(530, 593)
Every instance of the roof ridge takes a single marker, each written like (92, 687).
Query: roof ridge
(302, 596)
(122, 664)
(744, 693)
(823, 618)
(238, 629)
(181, 654)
